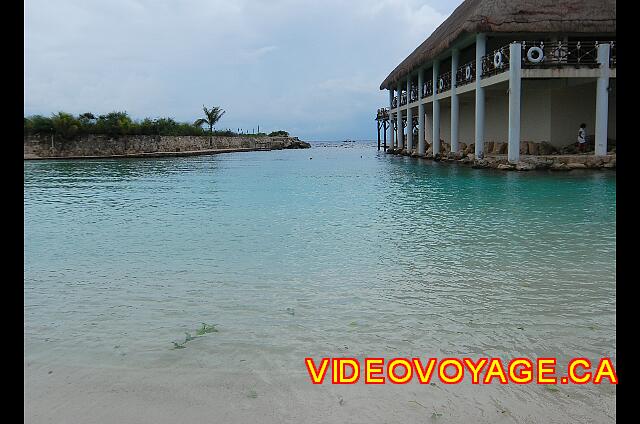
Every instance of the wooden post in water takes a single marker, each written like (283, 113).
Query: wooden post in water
(386, 126)
(378, 125)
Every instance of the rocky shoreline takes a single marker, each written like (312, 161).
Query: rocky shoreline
(99, 146)
(533, 156)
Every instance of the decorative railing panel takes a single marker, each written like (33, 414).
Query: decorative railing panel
(541, 54)
(444, 82)
(466, 74)
(427, 88)
(403, 99)
(383, 114)
(612, 55)
(495, 62)
(394, 102)
(414, 93)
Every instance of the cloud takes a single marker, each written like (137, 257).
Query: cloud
(306, 65)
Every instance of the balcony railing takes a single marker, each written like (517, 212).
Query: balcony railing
(466, 73)
(612, 55)
(495, 62)
(394, 102)
(414, 93)
(403, 99)
(543, 54)
(444, 82)
(427, 88)
(383, 114)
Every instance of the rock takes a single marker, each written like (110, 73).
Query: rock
(525, 166)
(437, 157)
(594, 162)
(480, 163)
(569, 149)
(545, 148)
(488, 147)
(414, 154)
(611, 164)
(533, 148)
(505, 166)
(471, 148)
(497, 147)
(576, 165)
(559, 166)
(471, 156)
(429, 151)
(462, 146)
(524, 148)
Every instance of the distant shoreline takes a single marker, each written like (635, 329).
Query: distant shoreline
(104, 147)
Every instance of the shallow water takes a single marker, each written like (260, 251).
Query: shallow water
(353, 252)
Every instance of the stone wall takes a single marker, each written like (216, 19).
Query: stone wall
(36, 147)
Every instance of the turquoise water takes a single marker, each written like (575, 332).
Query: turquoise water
(351, 251)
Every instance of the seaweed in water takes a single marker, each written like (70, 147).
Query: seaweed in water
(206, 328)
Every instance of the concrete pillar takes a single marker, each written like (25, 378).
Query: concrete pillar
(515, 75)
(602, 100)
(391, 118)
(455, 107)
(399, 120)
(481, 46)
(436, 109)
(409, 118)
(421, 144)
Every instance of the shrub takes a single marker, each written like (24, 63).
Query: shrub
(38, 124)
(279, 133)
(65, 125)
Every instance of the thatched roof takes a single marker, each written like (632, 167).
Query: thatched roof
(510, 16)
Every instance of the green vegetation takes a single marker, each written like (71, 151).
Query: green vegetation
(65, 126)
(279, 133)
(211, 117)
(206, 328)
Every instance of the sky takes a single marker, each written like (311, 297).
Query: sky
(313, 68)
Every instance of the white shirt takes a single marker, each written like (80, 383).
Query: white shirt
(582, 136)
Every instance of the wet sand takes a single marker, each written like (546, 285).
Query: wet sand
(182, 395)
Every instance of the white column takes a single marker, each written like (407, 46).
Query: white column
(602, 100)
(399, 121)
(390, 141)
(409, 118)
(455, 57)
(436, 109)
(481, 45)
(515, 74)
(421, 144)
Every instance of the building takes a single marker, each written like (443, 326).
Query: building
(507, 72)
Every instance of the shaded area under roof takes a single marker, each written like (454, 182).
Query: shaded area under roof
(504, 16)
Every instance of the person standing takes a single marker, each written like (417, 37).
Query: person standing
(582, 138)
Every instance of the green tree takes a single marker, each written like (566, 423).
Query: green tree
(87, 122)
(279, 133)
(114, 124)
(65, 125)
(39, 124)
(212, 116)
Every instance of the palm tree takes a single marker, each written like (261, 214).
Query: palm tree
(212, 117)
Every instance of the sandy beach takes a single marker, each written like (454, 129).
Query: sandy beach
(199, 395)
